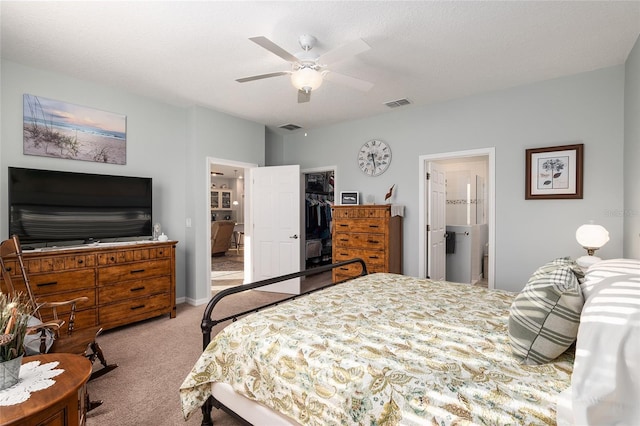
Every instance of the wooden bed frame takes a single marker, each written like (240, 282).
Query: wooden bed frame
(208, 323)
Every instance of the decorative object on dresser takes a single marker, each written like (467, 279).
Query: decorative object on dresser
(61, 403)
(372, 233)
(389, 194)
(348, 198)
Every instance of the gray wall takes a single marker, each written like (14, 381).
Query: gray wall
(274, 146)
(632, 154)
(586, 108)
(166, 143)
(211, 134)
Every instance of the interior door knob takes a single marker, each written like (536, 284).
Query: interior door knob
(294, 236)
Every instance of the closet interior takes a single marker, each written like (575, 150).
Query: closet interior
(319, 197)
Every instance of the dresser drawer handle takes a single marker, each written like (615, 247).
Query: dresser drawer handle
(344, 269)
(374, 257)
(344, 254)
(137, 271)
(374, 226)
(80, 261)
(48, 284)
(8, 268)
(344, 239)
(344, 225)
(373, 241)
(137, 288)
(133, 308)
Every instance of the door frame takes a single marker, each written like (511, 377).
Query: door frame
(489, 152)
(248, 261)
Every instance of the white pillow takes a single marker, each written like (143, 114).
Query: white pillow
(605, 383)
(607, 268)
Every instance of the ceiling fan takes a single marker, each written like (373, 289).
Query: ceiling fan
(308, 69)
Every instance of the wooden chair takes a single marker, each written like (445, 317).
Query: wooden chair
(81, 341)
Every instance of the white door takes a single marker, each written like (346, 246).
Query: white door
(436, 222)
(275, 219)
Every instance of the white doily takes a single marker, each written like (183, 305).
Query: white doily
(33, 377)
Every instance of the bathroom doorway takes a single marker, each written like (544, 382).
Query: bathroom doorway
(466, 240)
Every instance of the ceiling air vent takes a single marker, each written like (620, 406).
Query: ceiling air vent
(397, 103)
(290, 127)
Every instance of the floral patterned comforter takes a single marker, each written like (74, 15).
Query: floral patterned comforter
(383, 349)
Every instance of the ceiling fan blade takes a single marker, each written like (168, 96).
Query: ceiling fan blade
(344, 52)
(261, 76)
(274, 48)
(303, 96)
(346, 80)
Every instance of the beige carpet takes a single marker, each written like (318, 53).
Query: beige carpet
(154, 357)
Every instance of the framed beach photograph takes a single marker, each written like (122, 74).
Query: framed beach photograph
(554, 172)
(349, 198)
(58, 129)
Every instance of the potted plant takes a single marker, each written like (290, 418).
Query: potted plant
(14, 317)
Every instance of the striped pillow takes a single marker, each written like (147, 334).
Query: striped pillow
(544, 317)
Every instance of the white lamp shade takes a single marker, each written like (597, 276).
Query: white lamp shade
(592, 236)
(306, 79)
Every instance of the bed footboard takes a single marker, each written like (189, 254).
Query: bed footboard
(208, 323)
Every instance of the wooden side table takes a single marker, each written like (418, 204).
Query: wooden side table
(63, 403)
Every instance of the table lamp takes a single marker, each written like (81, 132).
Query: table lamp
(591, 237)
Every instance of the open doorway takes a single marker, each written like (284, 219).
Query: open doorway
(251, 243)
(459, 185)
(319, 198)
(227, 205)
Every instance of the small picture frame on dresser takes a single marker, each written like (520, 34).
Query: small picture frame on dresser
(348, 198)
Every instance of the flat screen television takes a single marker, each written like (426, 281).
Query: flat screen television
(47, 207)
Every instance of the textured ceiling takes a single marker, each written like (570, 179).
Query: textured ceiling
(190, 53)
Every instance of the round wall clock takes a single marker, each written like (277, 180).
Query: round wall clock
(374, 157)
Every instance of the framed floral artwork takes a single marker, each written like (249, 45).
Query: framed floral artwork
(554, 172)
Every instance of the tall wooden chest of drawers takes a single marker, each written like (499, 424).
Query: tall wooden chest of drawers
(124, 283)
(370, 233)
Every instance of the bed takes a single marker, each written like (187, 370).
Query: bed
(379, 349)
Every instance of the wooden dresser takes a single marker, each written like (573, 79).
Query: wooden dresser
(124, 283)
(370, 233)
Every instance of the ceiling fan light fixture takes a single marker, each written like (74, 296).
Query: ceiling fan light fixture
(306, 79)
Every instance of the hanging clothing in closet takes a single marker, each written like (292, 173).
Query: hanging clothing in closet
(318, 217)
(318, 202)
